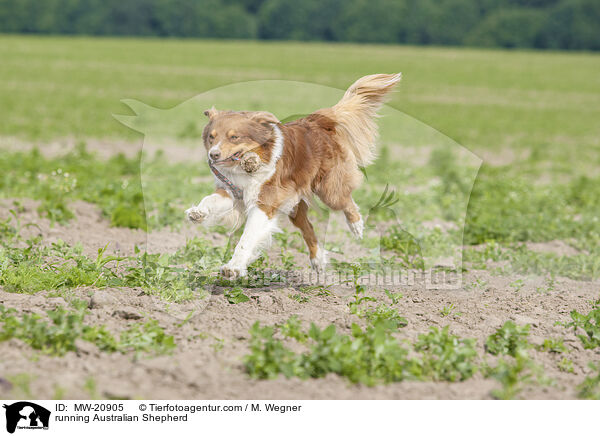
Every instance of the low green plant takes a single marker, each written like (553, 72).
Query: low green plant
(147, 337)
(405, 246)
(514, 367)
(517, 285)
(566, 365)
(300, 298)
(589, 323)
(91, 388)
(66, 326)
(34, 268)
(383, 312)
(360, 307)
(394, 297)
(589, 389)
(517, 258)
(21, 384)
(218, 344)
(292, 328)
(447, 310)
(287, 260)
(236, 295)
(553, 345)
(268, 356)
(57, 337)
(446, 356)
(157, 275)
(370, 355)
(317, 290)
(29, 267)
(510, 339)
(512, 373)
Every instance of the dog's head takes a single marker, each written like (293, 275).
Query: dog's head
(230, 133)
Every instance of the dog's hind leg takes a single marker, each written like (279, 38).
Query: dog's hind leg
(354, 218)
(335, 190)
(317, 255)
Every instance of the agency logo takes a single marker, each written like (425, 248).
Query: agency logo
(26, 415)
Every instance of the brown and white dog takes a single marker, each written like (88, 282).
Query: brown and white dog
(319, 154)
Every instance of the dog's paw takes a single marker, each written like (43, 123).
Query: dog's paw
(357, 228)
(196, 214)
(233, 271)
(319, 262)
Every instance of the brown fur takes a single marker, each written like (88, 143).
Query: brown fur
(312, 162)
(321, 152)
(240, 132)
(222, 192)
(300, 220)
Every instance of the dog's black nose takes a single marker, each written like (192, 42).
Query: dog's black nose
(215, 154)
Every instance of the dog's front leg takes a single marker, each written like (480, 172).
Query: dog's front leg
(257, 234)
(214, 209)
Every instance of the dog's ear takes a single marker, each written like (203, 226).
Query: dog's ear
(211, 113)
(264, 118)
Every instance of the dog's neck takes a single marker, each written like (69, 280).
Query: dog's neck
(246, 186)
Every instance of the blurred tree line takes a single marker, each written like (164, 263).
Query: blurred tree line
(555, 24)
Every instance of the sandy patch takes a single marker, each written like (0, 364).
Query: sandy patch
(93, 231)
(560, 248)
(175, 152)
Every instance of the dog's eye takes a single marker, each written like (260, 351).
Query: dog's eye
(211, 137)
(233, 137)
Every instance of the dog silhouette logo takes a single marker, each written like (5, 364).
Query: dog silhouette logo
(26, 415)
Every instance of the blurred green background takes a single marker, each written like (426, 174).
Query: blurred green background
(564, 24)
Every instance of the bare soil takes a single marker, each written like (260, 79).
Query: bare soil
(207, 363)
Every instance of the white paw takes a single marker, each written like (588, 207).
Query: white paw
(196, 214)
(232, 271)
(319, 262)
(357, 228)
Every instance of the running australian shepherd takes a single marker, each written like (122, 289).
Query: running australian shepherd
(319, 154)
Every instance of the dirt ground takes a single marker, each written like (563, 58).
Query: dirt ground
(207, 363)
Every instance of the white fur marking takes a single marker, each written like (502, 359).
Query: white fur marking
(357, 228)
(213, 210)
(257, 234)
(319, 262)
(215, 147)
(252, 183)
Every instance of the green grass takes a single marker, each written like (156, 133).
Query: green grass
(27, 266)
(537, 110)
(113, 184)
(487, 100)
(60, 86)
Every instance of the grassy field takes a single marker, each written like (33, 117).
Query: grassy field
(56, 87)
(531, 259)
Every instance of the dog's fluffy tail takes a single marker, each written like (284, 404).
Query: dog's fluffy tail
(356, 112)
